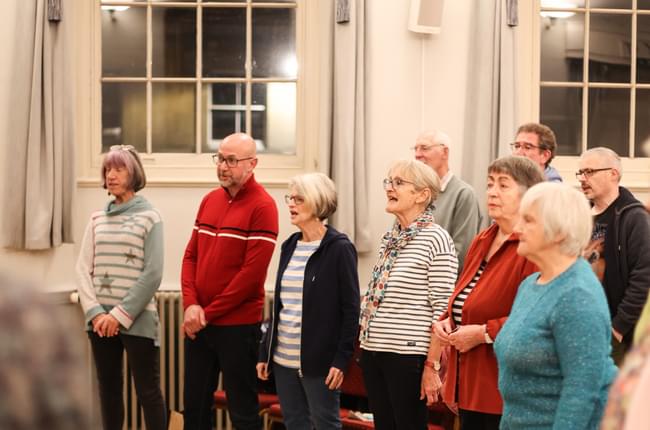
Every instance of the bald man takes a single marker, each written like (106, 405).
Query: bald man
(224, 269)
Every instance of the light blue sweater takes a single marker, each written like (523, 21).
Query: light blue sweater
(554, 353)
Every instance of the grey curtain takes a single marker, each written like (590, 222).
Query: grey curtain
(39, 173)
(491, 116)
(347, 157)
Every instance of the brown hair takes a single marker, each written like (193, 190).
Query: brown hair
(524, 171)
(127, 157)
(546, 137)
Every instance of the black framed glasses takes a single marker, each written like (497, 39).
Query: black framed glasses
(297, 200)
(588, 173)
(527, 146)
(231, 161)
(395, 183)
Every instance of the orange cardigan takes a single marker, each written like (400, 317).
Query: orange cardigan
(489, 303)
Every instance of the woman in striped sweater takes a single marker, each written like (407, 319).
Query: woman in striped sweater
(118, 272)
(410, 286)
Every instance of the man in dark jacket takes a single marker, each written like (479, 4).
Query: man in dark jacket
(619, 251)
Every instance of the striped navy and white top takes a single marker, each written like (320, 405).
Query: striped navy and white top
(287, 352)
(459, 301)
(418, 290)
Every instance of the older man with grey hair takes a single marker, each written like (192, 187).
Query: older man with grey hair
(619, 251)
(457, 208)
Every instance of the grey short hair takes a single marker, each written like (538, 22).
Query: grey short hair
(606, 154)
(522, 170)
(127, 157)
(422, 176)
(565, 213)
(435, 136)
(318, 191)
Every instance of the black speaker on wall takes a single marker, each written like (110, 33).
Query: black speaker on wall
(426, 16)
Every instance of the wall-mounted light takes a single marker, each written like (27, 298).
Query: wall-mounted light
(559, 4)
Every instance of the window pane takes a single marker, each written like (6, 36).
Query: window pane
(643, 4)
(173, 117)
(643, 49)
(124, 43)
(611, 4)
(274, 117)
(562, 47)
(609, 48)
(642, 132)
(561, 109)
(224, 107)
(174, 42)
(609, 113)
(124, 115)
(274, 43)
(224, 42)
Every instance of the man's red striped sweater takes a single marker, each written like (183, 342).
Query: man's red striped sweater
(226, 259)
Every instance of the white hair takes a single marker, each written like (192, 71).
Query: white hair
(435, 136)
(422, 176)
(564, 212)
(608, 155)
(319, 192)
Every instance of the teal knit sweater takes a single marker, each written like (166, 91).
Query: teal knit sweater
(120, 266)
(553, 353)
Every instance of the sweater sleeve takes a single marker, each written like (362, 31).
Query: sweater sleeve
(348, 285)
(253, 271)
(140, 294)
(188, 269)
(84, 272)
(442, 277)
(582, 341)
(638, 262)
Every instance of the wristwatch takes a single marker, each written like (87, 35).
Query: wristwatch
(435, 365)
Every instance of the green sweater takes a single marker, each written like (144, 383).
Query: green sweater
(458, 212)
(120, 266)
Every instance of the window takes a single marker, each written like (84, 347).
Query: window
(594, 74)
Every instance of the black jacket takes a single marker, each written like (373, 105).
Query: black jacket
(627, 262)
(330, 305)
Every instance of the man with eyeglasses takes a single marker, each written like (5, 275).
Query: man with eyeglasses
(457, 209)
(537, 142)
(619, 251)
(223, 274)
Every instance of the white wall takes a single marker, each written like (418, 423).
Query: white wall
(414, 82)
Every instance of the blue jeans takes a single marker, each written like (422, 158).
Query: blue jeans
(306, 401)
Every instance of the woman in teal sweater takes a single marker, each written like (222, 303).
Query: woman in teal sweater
(554, 350)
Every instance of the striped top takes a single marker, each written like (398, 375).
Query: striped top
(287, 352)
(120, 266)
(457, 306)
(417, 291)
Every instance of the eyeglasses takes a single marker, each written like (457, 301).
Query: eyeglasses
(230, 161)
(588, 173)
(122, 148)
(297, 200)
(424, 148)
(516, 146)
(395, 183)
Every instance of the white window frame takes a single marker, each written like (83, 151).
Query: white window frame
(273, 170)
(636, 171)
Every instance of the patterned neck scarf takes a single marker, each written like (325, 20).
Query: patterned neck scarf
(392, 242)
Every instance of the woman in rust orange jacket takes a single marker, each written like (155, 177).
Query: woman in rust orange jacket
(483, 297)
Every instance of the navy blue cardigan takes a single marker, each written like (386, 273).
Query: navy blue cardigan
(330, 305)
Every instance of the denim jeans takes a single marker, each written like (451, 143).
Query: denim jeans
(306, 402)
(233, 351)
(144, 362)
(393, 385)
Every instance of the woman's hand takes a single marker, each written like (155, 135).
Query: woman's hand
(441, 330)
(430, 386)
(95, 323)
(105, 325)
(334, 378)
(467, 337)
(262, 371)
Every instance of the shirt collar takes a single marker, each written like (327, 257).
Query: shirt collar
(444, 181)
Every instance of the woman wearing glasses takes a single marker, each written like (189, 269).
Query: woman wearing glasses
(483, 297)
(118, 272)
(316, 310)
(410, 285)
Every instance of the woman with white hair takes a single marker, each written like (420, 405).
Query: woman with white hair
(554, 350)
(411, 283)
(310, 339)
